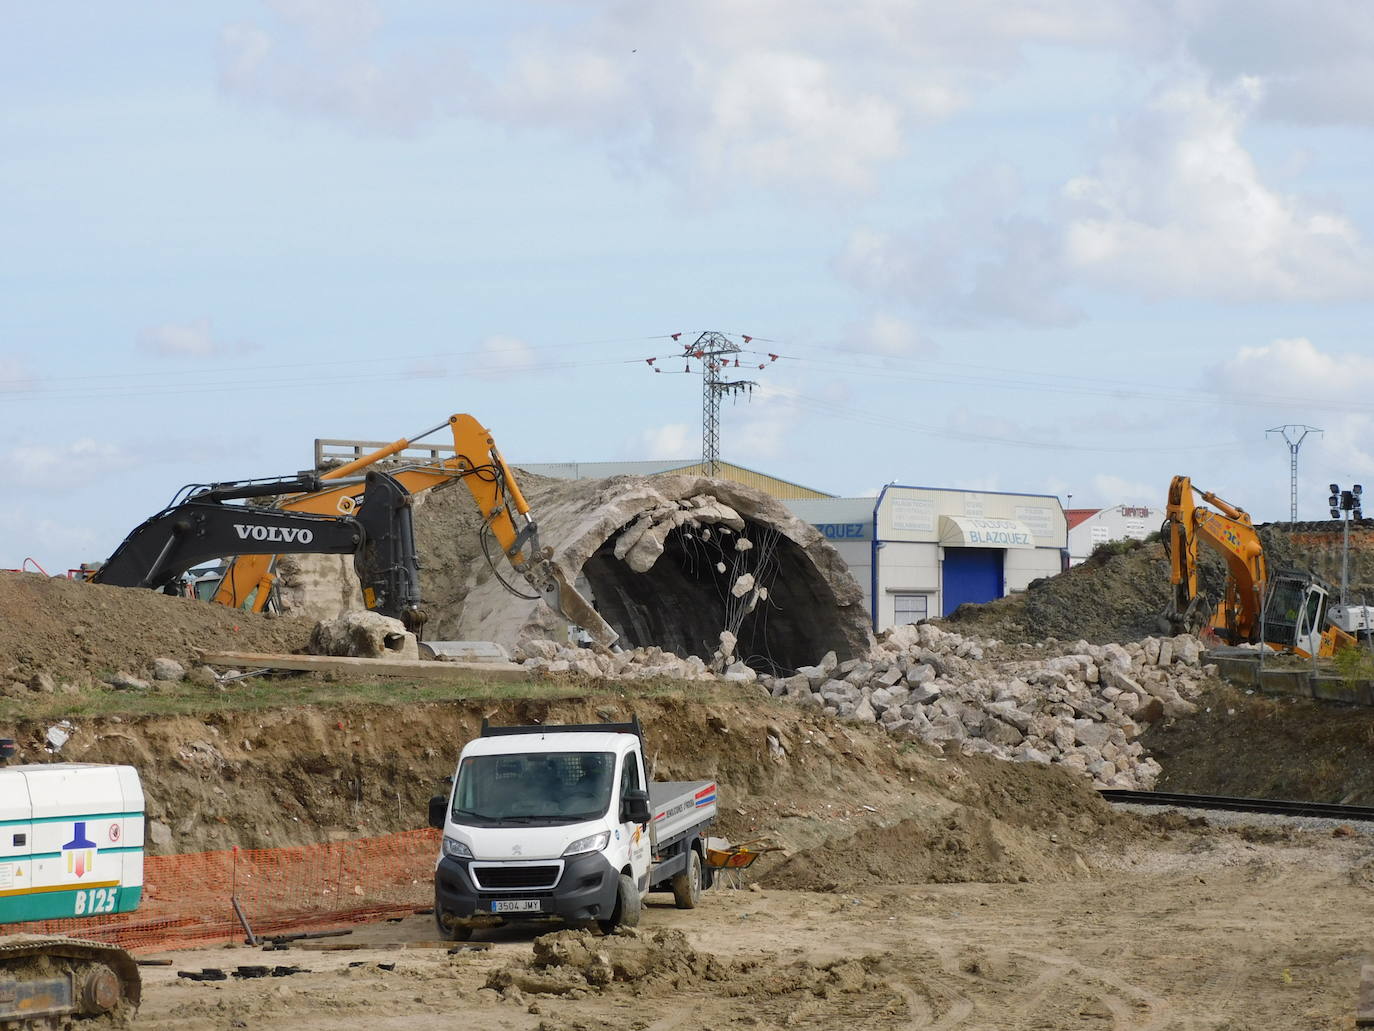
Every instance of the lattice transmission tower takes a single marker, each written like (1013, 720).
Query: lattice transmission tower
(1288, 431)
(716, 352)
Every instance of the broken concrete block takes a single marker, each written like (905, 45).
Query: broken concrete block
(889, 676)
(740, 673)
(728, 642)
(1000, 733)
(631, 534)
(122, 681)
(168, 669)
(743, 544)
(1009, 713)
(650, 545)
(720, 567)
(1151, 651)
(1187, 650)
(743, 585)
(920, 674)
(368, 635)
(1094, 735)
(536, 649)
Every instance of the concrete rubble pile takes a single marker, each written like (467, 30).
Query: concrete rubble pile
(1079, 705)
(543, 656)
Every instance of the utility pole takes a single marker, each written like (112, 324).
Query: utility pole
(1348, 502)
(1288, 431)
(715, 350)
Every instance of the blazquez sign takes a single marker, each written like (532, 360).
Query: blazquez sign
(281, 534)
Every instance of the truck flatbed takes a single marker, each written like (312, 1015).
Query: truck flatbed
(679, 806)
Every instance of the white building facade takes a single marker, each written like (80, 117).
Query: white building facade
(922, 552)
(1124, 522)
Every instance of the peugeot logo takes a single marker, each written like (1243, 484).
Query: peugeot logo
(515, 850)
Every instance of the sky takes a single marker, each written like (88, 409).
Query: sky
(1046, 246)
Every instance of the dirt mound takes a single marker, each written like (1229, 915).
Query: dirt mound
(1267, 747)
(568, 960)
(1012, 824)
(576, 963)
(76, 632)
(1118, 593)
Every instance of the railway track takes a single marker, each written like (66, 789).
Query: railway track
(1282, 807)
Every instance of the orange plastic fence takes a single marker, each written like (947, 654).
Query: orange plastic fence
(187, 898)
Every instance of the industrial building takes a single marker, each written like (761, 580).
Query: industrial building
(1089, 527)
(924, 551)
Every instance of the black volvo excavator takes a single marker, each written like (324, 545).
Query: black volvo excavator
(379, 534)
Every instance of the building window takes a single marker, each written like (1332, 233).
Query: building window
(910, 608)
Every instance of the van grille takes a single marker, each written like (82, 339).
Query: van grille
(505, 876)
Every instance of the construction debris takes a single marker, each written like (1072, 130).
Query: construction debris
(1078, 705)
(364, 634)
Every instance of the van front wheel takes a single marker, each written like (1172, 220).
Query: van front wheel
(626, 912)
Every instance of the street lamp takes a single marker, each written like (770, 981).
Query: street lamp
(1347, 501)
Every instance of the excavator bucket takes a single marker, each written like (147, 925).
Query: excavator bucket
(567, 601)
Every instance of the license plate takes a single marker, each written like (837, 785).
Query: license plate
(516, 906)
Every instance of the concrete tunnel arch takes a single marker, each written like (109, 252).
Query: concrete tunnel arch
(676, 598)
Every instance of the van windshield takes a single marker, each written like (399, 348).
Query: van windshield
(533, 788)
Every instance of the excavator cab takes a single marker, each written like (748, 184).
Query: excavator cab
(1295, 614)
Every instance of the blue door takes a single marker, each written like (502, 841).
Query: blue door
(971, 574)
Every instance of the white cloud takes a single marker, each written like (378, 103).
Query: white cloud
(1316, 60)
(888, 334)
(802, 92)
(1178, 208)
(189, 340)
(982, 260)
(1109, 489)
(55, 467)
(502, 357)
(1175, 207)
(673, 440)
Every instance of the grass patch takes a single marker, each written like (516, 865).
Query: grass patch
(312, 689)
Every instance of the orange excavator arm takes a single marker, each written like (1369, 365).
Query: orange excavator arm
(1229, 531)
(480, 466)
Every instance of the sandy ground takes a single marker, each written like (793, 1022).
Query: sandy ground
(1200, 929)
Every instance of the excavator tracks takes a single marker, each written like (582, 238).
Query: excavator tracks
(53, 982)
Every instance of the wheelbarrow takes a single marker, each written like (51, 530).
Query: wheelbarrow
(722, 857)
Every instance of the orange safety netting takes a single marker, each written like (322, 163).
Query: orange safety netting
(188, 899)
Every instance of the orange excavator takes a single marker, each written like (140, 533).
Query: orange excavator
(478, 464)
(1285, 610)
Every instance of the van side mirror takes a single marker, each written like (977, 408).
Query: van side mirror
(635, 807)
(438, 811)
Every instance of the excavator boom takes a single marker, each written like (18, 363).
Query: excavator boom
(379, 535)
(479, 465)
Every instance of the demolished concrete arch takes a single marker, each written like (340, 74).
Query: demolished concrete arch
(674, 596)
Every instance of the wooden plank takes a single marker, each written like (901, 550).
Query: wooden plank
(312, 946)
(374, 667)
(1364, 1008)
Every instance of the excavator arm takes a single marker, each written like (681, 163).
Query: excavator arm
(479, 465)
(378, 534)
(1229, 531)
